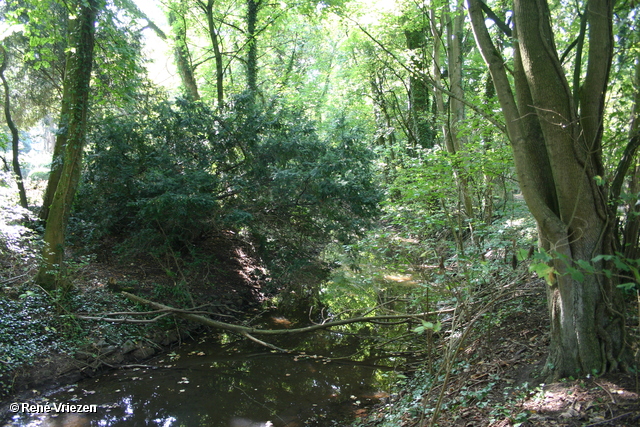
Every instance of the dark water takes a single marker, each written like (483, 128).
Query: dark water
(237, 385)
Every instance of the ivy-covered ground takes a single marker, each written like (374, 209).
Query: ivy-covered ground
(492, 375)
(480, 365)
(44, 341)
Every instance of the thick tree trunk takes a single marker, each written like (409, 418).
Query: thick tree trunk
(557, 154)
(77, 83)
(183, 58)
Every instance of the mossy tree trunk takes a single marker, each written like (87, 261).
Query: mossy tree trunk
(178, 24)
(74, 110)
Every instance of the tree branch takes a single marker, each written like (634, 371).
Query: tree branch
(499, 22)
(244, 330)
(125, 320)
(430, 81)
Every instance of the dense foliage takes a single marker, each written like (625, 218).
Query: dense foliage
(300, 127)
(177, 173)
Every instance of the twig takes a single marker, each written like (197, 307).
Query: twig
(613, 399)
(134, 366)
(266, 344)
(609, 420)
(125, 320)
(11, 279)
(244, 329)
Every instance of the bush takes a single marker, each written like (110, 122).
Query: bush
(168, 178)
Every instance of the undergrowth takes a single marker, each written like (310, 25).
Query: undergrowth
(37, 325)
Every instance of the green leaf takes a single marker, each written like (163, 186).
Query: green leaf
(620, 265)
(602, 257)
(629, 286)
(542, 256)
(543, 271)
(586, 266)
(575, 274)
(522, 254)
(427, 325)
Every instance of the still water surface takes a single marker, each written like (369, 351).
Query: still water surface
(207, 384)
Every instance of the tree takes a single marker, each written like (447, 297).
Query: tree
(214, 36)
(74, 122)
(452, 112)
(178, 24)
(557, 146)
(165, 180)
(15, 137)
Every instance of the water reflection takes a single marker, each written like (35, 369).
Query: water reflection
(207, 385)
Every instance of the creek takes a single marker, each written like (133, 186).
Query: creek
(238, 384)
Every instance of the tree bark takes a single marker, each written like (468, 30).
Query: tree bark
(253, 6)
(632, 227)
(62, 132)
(421, 134)
(217, 54)
(76, 94)
(452, 113)
(256, 331)
(182, 56)
(557, 154)
(15, 136)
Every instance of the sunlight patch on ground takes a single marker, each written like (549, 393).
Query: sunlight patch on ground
(584, 400)
(401, 279)
(405, 240)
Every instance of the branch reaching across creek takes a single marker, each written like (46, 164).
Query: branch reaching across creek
(248, 332)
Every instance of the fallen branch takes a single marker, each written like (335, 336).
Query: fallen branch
(266, 344)
(244, 330)
(124, 320)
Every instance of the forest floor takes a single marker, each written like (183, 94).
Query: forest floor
(496, 380)
(40, 351)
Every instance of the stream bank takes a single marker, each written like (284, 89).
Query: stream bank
(223, 385)
(44, 344)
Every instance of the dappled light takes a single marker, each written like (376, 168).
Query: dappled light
(330, 213)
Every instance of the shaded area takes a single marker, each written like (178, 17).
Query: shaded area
(231, 385)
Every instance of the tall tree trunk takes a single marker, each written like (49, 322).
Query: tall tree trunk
(253, 6)
(15, 136)
(421, 134)
(386, 136)
(62, 132)
(77, 83)
(632, 226)
(557, 154)
(217, 54)
(452, 113)
(181, 52)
